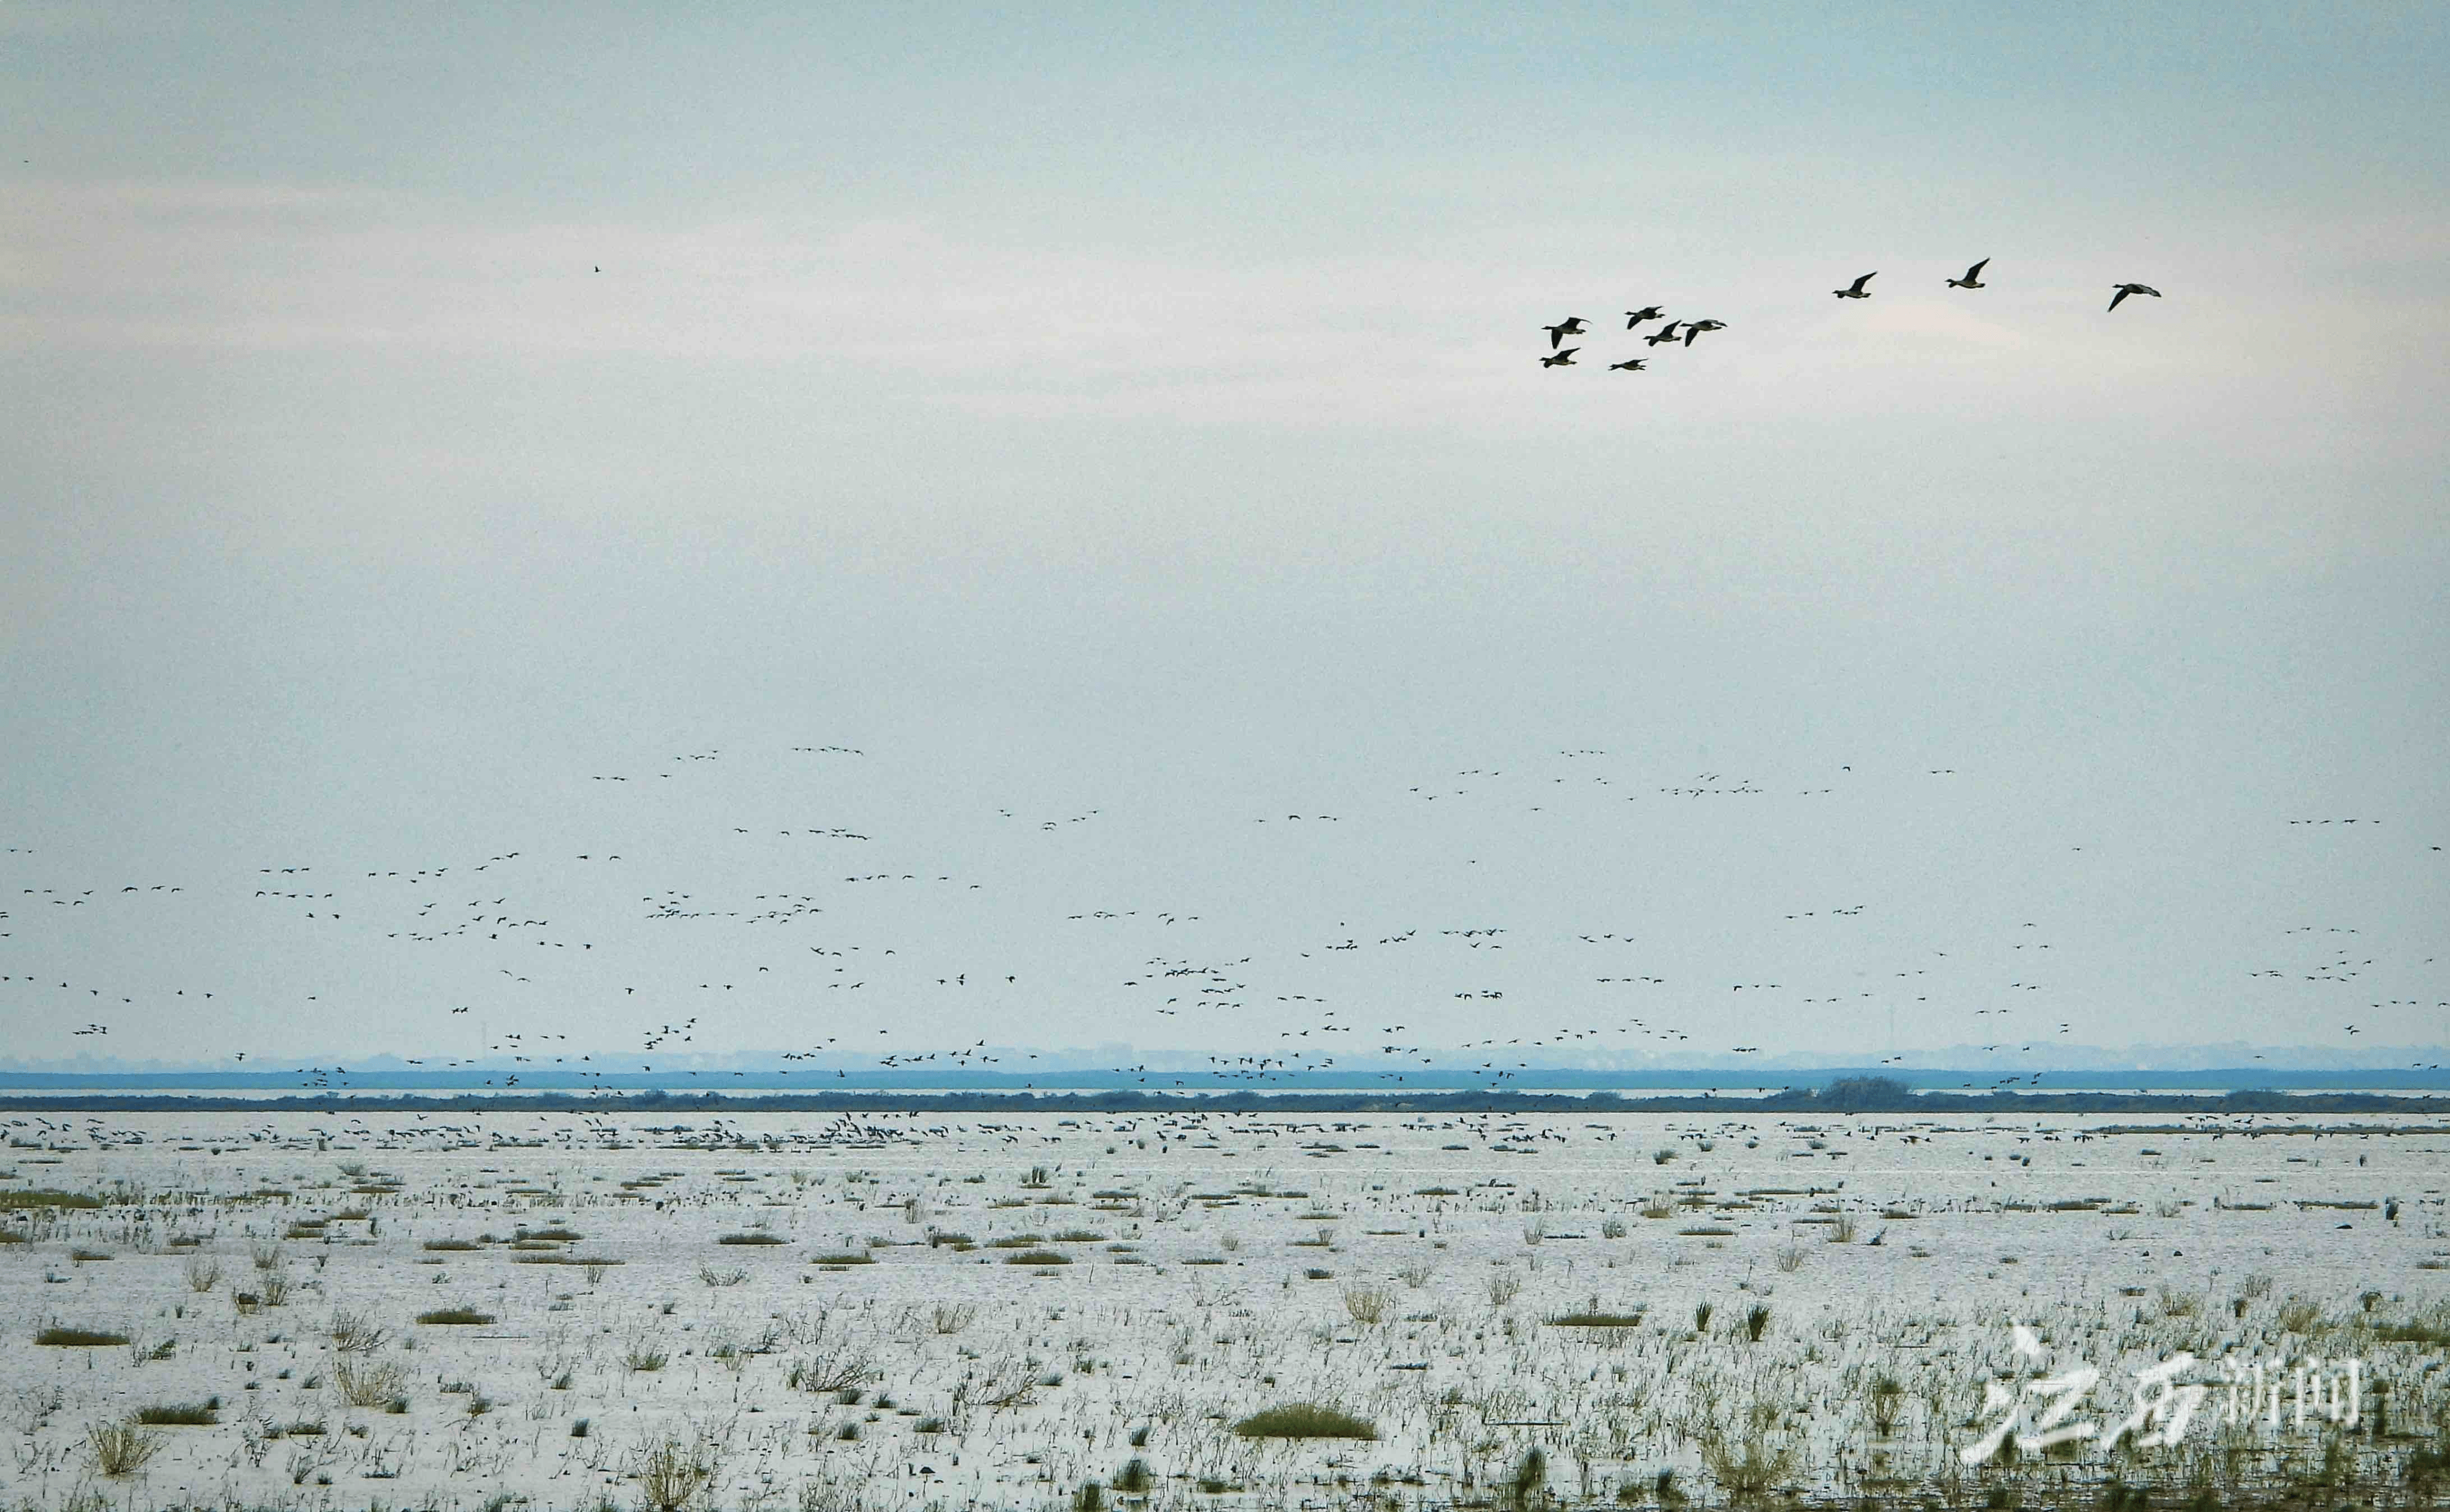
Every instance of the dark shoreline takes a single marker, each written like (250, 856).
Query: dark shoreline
(1840, 1097)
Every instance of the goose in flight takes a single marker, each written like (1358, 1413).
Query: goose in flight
(1629, 365)
(1563, 359)
(1696, 327)
(1666, 333)
(1572, 325)
(1649, 312)
(1972, 278)
(2125, 289)
(1856, 290)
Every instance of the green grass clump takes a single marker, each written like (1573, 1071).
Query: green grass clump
(45, 1197)
(849, 1257)
(1304, 1419)
(1038, 1257)
(78, 1337)
(453, 1244)
(1595, 1320)
(179, 1415)
(454, 1315)
(752, 1238)
(2412, 1333)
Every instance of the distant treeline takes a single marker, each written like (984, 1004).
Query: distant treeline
(1417, 1082)
(1848, 1094)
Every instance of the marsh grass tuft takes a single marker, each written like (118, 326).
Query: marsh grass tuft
(455, 1316)
(1304, 1419)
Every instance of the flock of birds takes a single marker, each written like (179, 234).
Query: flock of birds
(1561, 355)
(869, 965)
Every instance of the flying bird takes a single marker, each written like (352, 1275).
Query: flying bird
(1972, 278)
(1857, 291)
(1696, 327)
(2125, 289)
(1563, 359)
(1666, 333)
(1649, 312)
(1634, 364)
(1572, 325)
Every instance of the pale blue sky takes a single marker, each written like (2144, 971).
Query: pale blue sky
(1140, 405)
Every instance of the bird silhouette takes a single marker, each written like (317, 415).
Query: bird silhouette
(1570, 326)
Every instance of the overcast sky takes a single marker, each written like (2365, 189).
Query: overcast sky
(1133, 416)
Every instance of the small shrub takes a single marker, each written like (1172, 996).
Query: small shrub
(1366, 1306)
(752, 1238)
(1135, 1477)
(1304, 1419)
(952, 1317)
(1038, 1257)
(671, 1470)
(204, 1272)
(179, 1414)
(1888, 1395)
(369, 1384)
(840, 1370)
(1530, 1478)
(78, 1338)
(121, 1448)
(1748, 1469)
(353, 1334)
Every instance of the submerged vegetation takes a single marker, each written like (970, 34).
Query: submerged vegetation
(1826, 1315)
